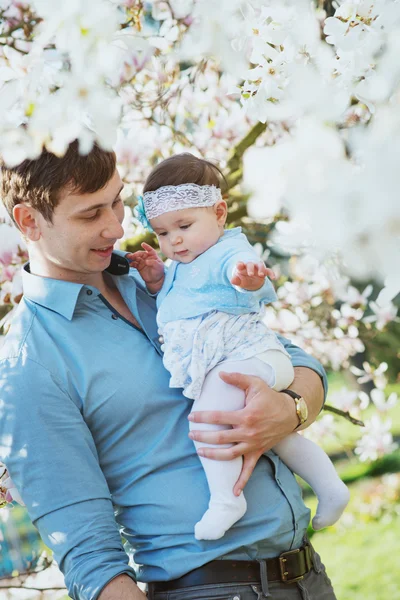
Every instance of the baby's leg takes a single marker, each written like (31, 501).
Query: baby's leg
(307, 459)
(313, 465)
(224, 508)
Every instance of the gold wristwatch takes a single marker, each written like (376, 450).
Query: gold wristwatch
(301, 406)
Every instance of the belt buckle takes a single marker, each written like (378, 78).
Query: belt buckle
(282, 566)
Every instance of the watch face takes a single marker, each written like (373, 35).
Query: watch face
(303, 410)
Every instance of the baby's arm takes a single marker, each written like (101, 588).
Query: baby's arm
(150, 267)
(251, 276)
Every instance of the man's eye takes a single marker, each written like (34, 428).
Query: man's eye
(185, 226)
(92, 218)
(118, 200)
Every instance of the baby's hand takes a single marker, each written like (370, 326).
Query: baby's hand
(150, 267)
(251, 276)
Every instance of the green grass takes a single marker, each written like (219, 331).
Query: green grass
(363, 562)
(362, 559)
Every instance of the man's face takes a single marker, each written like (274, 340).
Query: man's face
(78, 245)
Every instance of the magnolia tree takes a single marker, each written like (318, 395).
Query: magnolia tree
(298, 101)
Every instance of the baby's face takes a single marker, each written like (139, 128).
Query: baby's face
(185, 234)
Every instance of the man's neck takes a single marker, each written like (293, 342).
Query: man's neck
(53, 271)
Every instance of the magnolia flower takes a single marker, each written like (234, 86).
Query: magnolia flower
(353, 297)
(322, 429)
(349, 27)
(371, 374)
(345, 399)
(382, 403)
(382, 315)
(214, 26)
(377, 441)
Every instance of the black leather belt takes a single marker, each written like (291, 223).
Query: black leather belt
(289, 567)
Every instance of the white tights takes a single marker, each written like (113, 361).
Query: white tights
(302, 456)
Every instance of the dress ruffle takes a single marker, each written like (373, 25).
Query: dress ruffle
(192, 347)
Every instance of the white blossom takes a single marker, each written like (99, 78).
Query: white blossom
(369, 373)
(322, 429)
(376, 441)
(382, 402)
(214, 26)
(345, 399)
(382, 314)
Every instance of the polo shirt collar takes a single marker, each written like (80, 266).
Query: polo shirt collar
(62, 296)
(55, 294)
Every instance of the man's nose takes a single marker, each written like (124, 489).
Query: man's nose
(112, 227)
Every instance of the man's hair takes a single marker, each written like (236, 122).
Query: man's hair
(184, 168)
(42, 181)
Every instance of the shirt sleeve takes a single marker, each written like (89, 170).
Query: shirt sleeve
(266, 294)
(51, 456)
(300, 358)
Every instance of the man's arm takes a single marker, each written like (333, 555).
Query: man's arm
(52, 459)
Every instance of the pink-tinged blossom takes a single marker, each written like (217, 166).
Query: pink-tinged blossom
(8, 491)
(6, 258)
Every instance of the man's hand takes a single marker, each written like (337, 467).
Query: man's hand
(251, 276)
(150, 267)
(267, 418)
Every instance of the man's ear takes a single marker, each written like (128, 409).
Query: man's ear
(26, 219)
(221, 210)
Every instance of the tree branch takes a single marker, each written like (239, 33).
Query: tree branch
(37, 589)
(235, 160)
(346, 415)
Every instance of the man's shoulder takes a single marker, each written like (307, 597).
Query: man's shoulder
(19, 330)
(29, 351)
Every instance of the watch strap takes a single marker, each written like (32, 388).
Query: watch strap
(291, 393)
(296, 397)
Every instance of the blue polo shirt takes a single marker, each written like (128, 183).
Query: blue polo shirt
(98, 444)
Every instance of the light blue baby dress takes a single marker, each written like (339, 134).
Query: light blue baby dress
(205, 320)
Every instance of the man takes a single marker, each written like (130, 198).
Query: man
(92, 435)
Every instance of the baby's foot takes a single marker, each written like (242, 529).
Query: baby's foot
(331, 504)
(219, 517)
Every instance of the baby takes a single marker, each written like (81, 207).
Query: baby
(210, 307)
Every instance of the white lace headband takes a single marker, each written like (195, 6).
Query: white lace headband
(175, 197)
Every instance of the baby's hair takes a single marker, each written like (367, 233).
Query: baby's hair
(184, 168)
